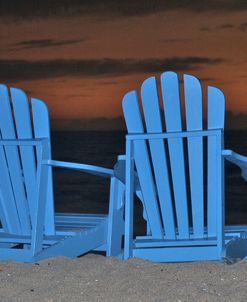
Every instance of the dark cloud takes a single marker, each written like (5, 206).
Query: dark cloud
(206, 80)
(107, 82)
(226, 26)
(175, 40)
(46, 8)
(15, 70)
(243, 26)
(44, 43)
(220, 27)
(243, 76)
(205, 29)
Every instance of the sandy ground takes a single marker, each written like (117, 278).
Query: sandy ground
(97, 278)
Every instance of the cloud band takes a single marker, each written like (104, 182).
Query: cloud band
(23, 69)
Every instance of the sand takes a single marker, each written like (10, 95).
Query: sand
(97, 278)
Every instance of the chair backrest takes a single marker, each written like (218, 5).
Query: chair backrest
(182, 194)
(18, 164)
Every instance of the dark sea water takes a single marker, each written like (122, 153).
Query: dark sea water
(80, 192)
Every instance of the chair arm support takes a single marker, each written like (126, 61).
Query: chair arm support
(119, 172)
(95, 170)
(237, 159)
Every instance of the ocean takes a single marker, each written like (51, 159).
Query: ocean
(79, 192)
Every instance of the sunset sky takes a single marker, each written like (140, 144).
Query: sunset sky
(82, 56)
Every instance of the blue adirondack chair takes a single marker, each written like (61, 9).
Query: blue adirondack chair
(181, 174)
(30, 228)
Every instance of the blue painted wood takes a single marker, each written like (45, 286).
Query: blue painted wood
(94, 228)
(182, 134)
(13, 162)
(142, 243)
(24, 131)
(151, 110)
(21, 142)
(9, 238)
(184, 254)
(238, 160)
(116, 218)
(194, 118)
(198, 242)
(8, 213)
(94, 170)
(129, 208)
(41, 125)
(75, 233)
(71, 247)
(134, 124)
(220, 197)
(79, 244)
(75, 218)
(216, 112)
(171, 99)
(216, 108)
(119, 173)
(16, 254)
(41, 200)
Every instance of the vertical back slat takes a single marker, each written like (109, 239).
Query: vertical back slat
(151, 110)
(8, 212)
(41, 124)
(171, 99)
(9, 215)
(13, 161)
(134, 125)
(193, 106)
(216, 116)
(24, 131)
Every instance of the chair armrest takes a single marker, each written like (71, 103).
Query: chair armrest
(95, 170)
(121, 157)
(237, 159)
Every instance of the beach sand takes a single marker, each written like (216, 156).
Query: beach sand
(98, 278)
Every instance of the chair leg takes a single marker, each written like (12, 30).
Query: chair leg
(115, 218)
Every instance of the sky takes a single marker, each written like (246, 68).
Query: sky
(81, 57)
